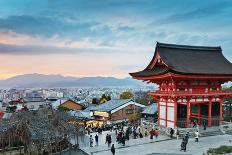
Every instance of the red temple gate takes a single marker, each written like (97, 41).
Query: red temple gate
(189, 79)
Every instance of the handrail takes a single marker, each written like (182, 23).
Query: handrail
(193, 92)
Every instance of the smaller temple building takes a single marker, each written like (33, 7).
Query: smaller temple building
(189, 80)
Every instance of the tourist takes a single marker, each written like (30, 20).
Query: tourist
(156, 133)
(187, 137)
(123, 140)
(177, 134)
(204, 124)
(197, 134)
(194, 124)
(113, 149)
(151, 134)
(135, 133)
(91, 141)
(145, 132)
(127, 134)
(183, 145)
(140, 135)
(171, 132)
(96, 139)
(109, 140)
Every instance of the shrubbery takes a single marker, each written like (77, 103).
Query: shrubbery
(227, 118)
(220, 150)
(61, 108)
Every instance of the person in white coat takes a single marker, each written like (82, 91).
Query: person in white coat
(197, 134)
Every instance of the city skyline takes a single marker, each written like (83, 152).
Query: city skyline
(103, 38)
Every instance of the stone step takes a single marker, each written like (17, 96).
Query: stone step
(211, 133)
(229, 132)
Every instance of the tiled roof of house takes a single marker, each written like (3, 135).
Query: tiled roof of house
(151, 109)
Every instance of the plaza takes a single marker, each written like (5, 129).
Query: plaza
(163, 145)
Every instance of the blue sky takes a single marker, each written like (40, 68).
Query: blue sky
(104, 37)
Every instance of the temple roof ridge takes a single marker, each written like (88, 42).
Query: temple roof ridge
(190, 47)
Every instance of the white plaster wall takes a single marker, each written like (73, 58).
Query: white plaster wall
(171, 113)
(162, 113)
(170, 124)
(163, 122)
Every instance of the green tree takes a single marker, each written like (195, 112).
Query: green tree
(126, 95)
(61, 108)
(95, 101)
(134, 118)
(108, 98)
(142, 97)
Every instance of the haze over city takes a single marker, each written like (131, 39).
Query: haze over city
(98, 38)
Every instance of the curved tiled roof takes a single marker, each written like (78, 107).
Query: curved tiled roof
(184, 59)
(111, 105)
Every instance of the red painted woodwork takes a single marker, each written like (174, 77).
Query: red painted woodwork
(221, 100)
(187, 119)
(186, 93)
(199, 114)
(210, 113)
(184, 87)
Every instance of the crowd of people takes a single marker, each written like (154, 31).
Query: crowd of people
(124, 134)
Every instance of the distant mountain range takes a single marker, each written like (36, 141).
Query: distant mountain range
(47, 81)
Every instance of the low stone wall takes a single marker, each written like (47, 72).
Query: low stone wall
(226, 127)
(182, 131)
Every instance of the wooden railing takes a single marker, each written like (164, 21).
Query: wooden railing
(190, 93)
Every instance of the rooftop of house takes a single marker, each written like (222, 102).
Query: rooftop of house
(151, 109)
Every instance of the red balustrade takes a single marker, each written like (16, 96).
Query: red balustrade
(191, 93)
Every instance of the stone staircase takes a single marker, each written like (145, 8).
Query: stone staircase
(74, 152)
(211, 133)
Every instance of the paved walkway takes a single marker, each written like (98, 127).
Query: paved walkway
(131, 143)
(162, 146)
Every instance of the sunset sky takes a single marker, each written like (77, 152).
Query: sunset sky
(104, 37)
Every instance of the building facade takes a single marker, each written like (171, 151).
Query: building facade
(116, 110)
(189, 80)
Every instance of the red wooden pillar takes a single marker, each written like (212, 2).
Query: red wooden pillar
(210, 113)
(199, 114)
(166, 113)
(158, 115)
(175, 113)
(220, 119)
(187, 117)
(190, 112)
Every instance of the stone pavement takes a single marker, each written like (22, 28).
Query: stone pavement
(162, 146)
(131, 143)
